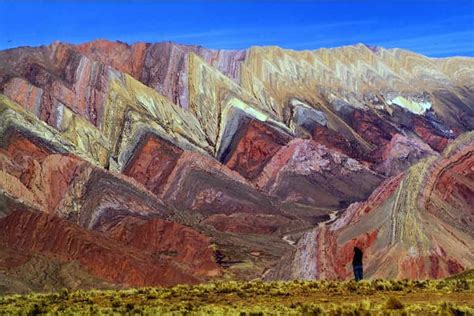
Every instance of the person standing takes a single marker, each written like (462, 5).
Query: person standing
(357, 264)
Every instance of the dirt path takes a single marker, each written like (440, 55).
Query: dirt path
(332, 217)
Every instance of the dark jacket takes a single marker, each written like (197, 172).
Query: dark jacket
(357, 260)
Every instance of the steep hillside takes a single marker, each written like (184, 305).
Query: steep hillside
(416, 225)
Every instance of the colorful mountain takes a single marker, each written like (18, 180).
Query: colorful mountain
(158, 164)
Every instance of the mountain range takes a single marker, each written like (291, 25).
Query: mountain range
(155, 164)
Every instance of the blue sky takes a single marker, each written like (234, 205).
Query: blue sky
(434, 28)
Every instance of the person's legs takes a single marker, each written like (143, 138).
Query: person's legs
(361, 273)
(358, 273)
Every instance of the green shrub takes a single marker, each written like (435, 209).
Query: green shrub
(397, 287)
(116, 303)
(64, 294)
(129, 307)
(461, 285)
(311, 309)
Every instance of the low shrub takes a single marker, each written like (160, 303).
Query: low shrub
(394, 303)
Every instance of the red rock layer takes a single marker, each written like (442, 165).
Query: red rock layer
(153, 162)
(163, 238)
(49, 235)
(427, 133)
(256, 145)
(22, 92)
(372, 128)
(336, 141)
(335, 263)
(46, 175)
(125, 58)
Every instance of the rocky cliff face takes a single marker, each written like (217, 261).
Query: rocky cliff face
(170, 151)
